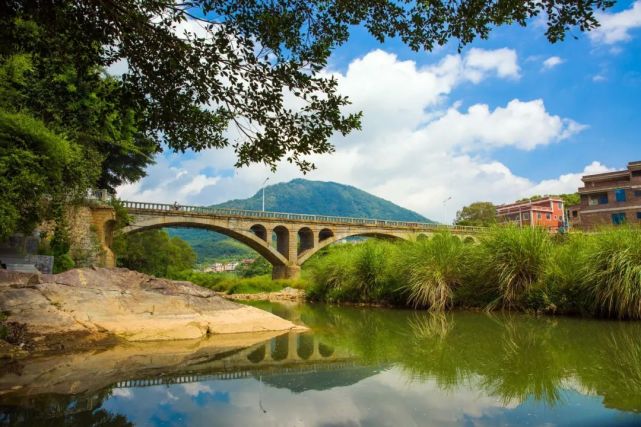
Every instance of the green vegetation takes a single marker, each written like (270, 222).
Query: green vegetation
(211, 246)
(516, 268)
(480, 214)
(153, 252)
(233, 284)
(434, 269)
(613, 273)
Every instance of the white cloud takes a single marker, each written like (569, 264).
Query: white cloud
(124, 393)
(552, 62)
(523, 125)
(415, 148)
(598, 78)
(567, 183)
(502, 61)
(616, 27)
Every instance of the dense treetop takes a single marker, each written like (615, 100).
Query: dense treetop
(203, 74)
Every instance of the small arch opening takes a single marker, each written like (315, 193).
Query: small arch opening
(257, 355)
(325, 234)
(280, 347)
(260, 231)
(469, 240)
(325, 350)
(280, 239)
(305, 239)
(305, 346)
(422, 237)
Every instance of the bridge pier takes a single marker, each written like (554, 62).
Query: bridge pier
(291, 271)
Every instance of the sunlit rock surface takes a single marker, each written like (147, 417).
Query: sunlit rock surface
(54, 311)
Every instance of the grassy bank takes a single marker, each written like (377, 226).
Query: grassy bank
(233, 284)
(516, 268)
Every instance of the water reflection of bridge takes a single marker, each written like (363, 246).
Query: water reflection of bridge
(292, 353)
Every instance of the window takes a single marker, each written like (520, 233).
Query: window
(619, 194)
(618, 218)
(559, 205)
(526, 215)
(636, 173)
(548, 216)
(598, 199)
(575, 214)
(638, 215)
(538, 215)
(637, 193)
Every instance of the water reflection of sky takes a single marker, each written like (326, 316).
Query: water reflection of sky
(387, 398)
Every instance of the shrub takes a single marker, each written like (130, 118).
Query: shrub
(434, 268)
(612, 272)
(62, 263)
(514, 260)
(564, 276)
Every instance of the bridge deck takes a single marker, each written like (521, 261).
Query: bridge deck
(323, 219)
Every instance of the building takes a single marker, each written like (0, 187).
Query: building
(547, 212)
(573, 216)
(611, 198)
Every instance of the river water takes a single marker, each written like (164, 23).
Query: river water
(356, 366)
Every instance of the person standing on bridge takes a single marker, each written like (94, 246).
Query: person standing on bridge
(176, 206)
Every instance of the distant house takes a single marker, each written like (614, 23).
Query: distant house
(547, 212)
(611, 198)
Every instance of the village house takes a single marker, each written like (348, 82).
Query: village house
(547, 212)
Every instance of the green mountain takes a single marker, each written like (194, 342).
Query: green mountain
(297, 196)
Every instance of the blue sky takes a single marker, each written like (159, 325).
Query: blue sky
(509, 117)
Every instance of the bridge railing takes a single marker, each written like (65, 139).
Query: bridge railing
(225, 212)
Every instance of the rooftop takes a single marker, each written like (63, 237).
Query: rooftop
(614, 174)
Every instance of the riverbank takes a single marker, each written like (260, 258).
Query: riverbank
(520, 269)
(96, 307)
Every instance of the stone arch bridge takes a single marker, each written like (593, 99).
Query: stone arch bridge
(286, 240)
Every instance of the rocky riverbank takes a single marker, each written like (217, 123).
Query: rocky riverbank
(85, 308)
(285, 295)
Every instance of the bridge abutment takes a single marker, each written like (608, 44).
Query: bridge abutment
(291, 271)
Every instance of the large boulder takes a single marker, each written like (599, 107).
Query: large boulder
(101, 302)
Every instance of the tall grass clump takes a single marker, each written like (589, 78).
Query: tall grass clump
(564, 275)
(612, 272)
(514, 260)
(433, 269)
(354, 273)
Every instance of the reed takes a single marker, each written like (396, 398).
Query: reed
(612, 272)
(514, 260)
(433, 269)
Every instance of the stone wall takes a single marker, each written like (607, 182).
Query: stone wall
(86, 249)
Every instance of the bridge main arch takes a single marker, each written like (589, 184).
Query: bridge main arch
(253, 236)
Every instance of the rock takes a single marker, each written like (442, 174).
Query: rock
(286, 294)
(96, 303)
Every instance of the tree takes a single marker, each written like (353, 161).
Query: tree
(259, 267)
(153, 252)
(248, 74)
(250, 63)
(481, 214)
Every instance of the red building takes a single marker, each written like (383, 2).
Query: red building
(548, 213)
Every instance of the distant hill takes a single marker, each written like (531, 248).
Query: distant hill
(324, 198)
(297, 196)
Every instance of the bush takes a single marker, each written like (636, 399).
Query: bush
(62, 263)
(433, 270)
(355, 273)
(612, 273)
(514, 260)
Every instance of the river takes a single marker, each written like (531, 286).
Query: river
(356, 367)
